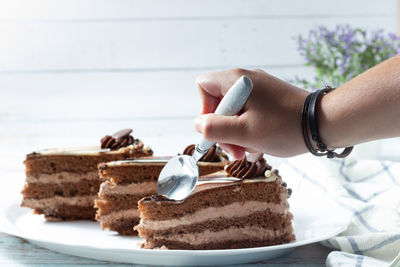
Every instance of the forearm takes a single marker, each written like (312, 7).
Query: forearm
(364, 109)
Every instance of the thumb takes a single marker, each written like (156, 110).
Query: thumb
(221, 129)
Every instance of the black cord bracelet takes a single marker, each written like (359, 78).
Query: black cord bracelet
(310, 127)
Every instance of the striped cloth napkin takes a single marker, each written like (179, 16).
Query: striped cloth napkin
(370, 191)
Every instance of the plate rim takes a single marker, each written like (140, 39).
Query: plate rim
(7, 227)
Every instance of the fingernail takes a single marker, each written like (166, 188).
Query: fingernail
(198, 124)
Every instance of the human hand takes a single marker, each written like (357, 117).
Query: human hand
(269, 123)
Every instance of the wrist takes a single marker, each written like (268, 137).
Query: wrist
(330, 120)
(316, 126)
(297, 145)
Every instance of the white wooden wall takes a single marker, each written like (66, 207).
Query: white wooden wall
(145, 55)
(82, 68)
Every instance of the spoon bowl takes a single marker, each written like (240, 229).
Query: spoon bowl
(178, 177)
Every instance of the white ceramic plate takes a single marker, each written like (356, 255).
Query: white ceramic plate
(315, 219)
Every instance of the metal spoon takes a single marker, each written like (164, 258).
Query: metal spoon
(179, 176)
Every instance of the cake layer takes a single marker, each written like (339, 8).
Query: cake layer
(125, 183)
(46, 190)
(58, 201)
(78, 159)
(117, 209)
(210, 167)
(232, 233)
(106, 206)
(230, 238)
(264, 219)
(223, 212)
(233, 210)
(121, 221)
(145, 169)
(113, 189)
(116, 215)
(214, 195)
(67, 213)
(62, 177)
(113, 197)
(123, 226)
(62, 208)
(62, 183)
(126, 172)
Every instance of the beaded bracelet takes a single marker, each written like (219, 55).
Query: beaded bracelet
(310, 127)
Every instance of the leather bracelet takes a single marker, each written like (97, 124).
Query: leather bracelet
(309, 124)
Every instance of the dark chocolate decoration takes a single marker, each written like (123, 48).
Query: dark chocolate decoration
(189, 150)
(108, 142)
(289, 190)
(117, 140)
(214, 154)
(245, 169)
(123, 133)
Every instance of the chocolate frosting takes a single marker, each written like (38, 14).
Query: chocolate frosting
(245, 169)
(117, 140)
(214, 154)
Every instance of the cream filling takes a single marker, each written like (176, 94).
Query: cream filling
(56, 201)
(62, 177)
(219, 180)
(254, 233)
(140, 188)
(235, 209)
(83, 150)
(115, 215)
(93, 150)
(154, 161)
(143, 161)
(219, 177)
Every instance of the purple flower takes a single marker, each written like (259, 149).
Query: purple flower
(344, 52)
(347, 37)
(394, 37)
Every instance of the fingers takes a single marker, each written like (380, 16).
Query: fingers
(209, 103)
(221, 129)
(213, 86)
(237, 152)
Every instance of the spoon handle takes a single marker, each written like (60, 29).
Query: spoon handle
(230, 105)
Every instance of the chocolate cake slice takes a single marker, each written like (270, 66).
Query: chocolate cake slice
(63, 183)
(244, 206)
(126, 182)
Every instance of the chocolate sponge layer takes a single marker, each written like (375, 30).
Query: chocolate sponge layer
(127, 173)
(221, 213)
(67, 166)
(211, 195)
